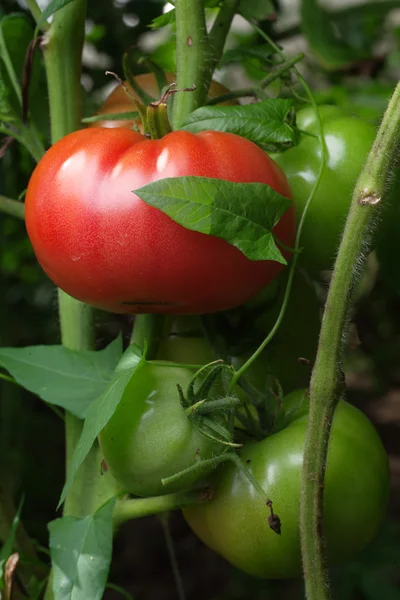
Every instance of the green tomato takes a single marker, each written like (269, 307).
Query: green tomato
(149, 436)
(348, 140)
(183, 341)
(234, 523)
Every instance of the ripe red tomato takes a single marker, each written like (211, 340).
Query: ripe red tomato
(103, 245)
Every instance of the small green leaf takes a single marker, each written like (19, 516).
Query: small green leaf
(243, 214)
(262, 123)
(102, 409)
(52, 8)
(258, 10)
(60, 376)
(81, 549)
(163, 20)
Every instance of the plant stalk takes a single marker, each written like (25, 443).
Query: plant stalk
(126, 510)
(327, 383)
(12, 207)
(192, 58)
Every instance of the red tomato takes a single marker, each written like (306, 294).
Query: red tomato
(103, 245)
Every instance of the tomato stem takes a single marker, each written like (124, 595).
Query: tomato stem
(157, 120)
(252, 91)
(327, 381)
(62, 53)
(37, 13)
(191, 58)
(128, 509)
(12, 207)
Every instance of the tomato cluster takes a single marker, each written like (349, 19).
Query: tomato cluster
(102, 244)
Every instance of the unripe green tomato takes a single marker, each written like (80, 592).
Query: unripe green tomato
(149, 437)
(234, 523)
(348, 140)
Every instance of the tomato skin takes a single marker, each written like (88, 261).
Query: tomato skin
(119, 102)
(348, 139)
(104, 246)
(149, 437)
(234, 523)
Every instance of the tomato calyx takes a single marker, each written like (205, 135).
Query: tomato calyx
(157, 112)
(212, 417)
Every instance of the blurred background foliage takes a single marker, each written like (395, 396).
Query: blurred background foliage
(352, 60)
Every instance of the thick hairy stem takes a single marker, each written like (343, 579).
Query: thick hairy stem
(192, 58)
(326, 382)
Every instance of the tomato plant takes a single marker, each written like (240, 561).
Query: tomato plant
(102, 244)
(193, 224)
(150, 436)
(234, 523)
(348, 140)
(119, 101)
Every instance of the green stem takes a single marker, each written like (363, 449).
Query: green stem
(220, 29)
(252, 91)
(37, 13)
(62, 53)
(326, 383)
(192, 59)
(12, 207)
(172, 557)
(136, 508)
(147, 332)
(62, 48)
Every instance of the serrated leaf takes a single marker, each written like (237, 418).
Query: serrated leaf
(262, 123)
(102, 409)
(61, 376)
(256, 9)
(81, 549)
(243, 214)
(163, 20)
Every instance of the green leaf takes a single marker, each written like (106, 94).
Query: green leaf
(258, 10)
(243, 214)
(81, 549)
(102, 409)
(163, 20)
(52, 8)
(8, 544)
(262, 123)
(61, 376)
